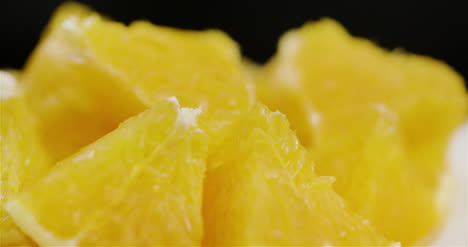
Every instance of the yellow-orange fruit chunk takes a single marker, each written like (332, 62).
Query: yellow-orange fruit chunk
(334, 89)
(89, 73)
(138, 185)
(261, 190)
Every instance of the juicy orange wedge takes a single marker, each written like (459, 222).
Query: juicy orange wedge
(338, 91)
(128, 188)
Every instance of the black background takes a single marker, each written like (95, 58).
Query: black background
(435, 28)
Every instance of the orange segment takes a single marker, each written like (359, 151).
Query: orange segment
(76, 98)
(158, 62)
(330, 85)
(382, 187)
(262, 191)
(139, 185)
(23, 159)
(89, 73)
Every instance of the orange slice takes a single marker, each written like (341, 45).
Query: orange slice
(90, 73)
(331, 86)
(262, 191)
(138, 185)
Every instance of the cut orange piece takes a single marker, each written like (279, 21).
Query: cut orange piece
(22, 158)
(331, 85)
(377, 179)
(261, 190)
(89, 73)
(138, 185)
